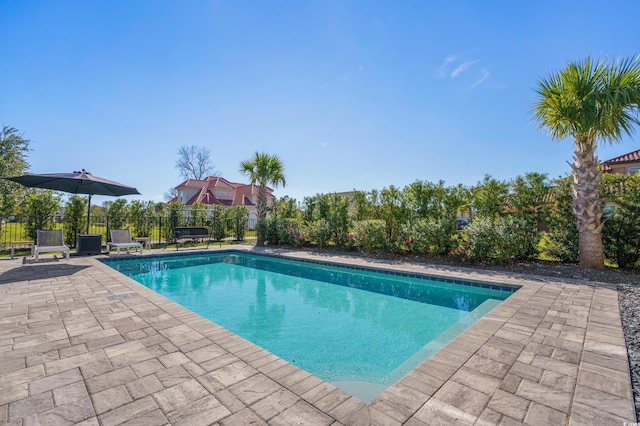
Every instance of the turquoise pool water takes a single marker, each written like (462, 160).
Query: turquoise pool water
(359, 329)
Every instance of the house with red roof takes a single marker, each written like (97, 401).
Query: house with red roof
(216, 190)
(628, 163)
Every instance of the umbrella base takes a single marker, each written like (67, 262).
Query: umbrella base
(88, 244)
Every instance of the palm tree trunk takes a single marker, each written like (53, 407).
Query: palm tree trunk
(262, 202)
(587, 205)
(261, 209)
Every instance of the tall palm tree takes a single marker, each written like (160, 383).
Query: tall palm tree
(593, 102)
(262, 170)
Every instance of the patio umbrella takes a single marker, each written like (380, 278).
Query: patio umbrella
(81, 182)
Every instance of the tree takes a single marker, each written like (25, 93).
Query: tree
(284, 208)
(13, 162)
(170, 194)
(238, 220)
(175, 215)
(75, 219)
(195, 162)
(218, 222)
(117, 213)
(489, 197)
(141, 215)
(198, 214)
(592, 102)
(262, 170)
(39, 209)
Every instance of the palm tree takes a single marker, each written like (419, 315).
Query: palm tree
(263, 169)
(593, 102)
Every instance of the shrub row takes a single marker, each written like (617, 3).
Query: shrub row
(527, 218)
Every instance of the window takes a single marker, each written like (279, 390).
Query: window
(634, 169)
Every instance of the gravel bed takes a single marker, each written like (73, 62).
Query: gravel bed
(627, 281)
(629, 297)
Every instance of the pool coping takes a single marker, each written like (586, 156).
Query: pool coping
(553, 352)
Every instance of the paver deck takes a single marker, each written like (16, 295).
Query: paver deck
(82, 344)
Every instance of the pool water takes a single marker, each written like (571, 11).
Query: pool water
(360, 330)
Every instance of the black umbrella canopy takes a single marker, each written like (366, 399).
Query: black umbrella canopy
(81, 182)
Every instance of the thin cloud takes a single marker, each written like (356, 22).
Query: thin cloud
(462, 67)
(442, 70)
(483, 77)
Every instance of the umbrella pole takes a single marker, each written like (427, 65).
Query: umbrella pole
(88, 213)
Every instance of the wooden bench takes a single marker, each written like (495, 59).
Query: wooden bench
(191, 233)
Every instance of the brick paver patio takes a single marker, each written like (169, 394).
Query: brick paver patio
(82, 344)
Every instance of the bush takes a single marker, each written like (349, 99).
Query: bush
(621, 241)
(333, 209)
(237, 217)
(296, 232)
(562, 237)
(414, 237)
(429, 236)
(198, 214)
(370, 235)
(117, 214)
(39, 209)
(518, 239)
(217, 222)
(462, 252)
(140, 216)
(75, 219)
(338, 219)
(174, 219)
(280, 231)
(621, 230)
(262, 231)
(501, 239)
(482, 237)
(319, 232)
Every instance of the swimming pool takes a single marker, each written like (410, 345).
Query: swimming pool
(358, 328)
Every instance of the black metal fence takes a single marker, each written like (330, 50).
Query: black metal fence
(159, 229)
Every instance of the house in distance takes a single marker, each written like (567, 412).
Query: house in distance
(216, 190)
(624, 164)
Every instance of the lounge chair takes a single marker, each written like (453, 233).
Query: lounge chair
(121, 238)
(49, 241)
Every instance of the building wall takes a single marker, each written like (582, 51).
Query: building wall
(223, 193)
(185, 194)
(623, 169)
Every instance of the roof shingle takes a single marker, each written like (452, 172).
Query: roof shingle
(630, 157)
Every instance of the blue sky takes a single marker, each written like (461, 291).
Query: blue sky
(350, 94)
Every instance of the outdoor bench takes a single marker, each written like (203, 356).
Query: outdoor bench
(16, 244)
(191, 233)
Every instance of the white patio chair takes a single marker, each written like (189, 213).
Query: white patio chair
(50, 241)
(121, 238)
